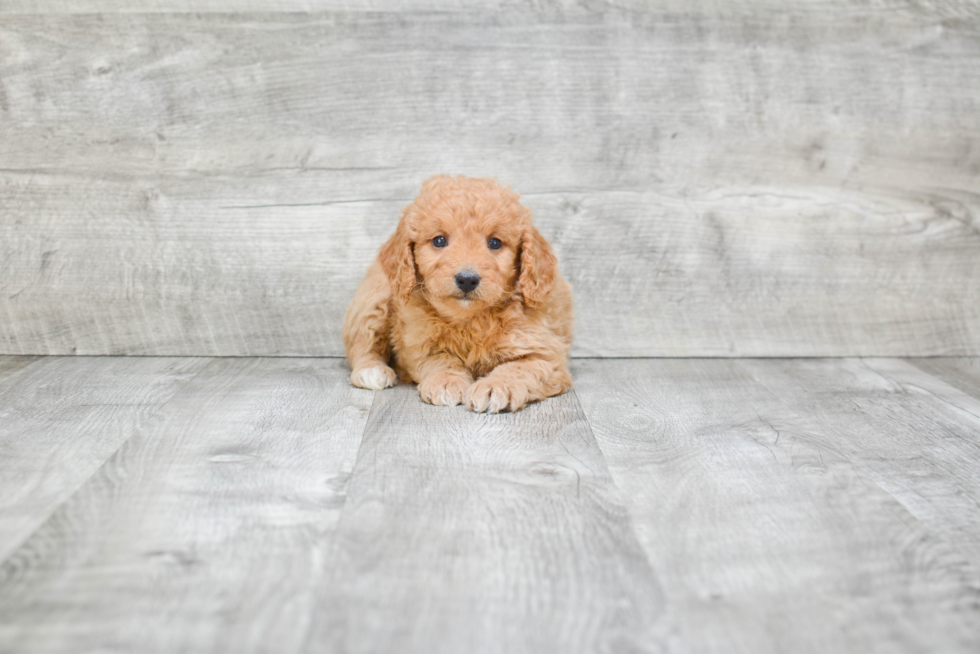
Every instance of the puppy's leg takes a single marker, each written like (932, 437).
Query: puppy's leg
(442, 379)
(511, 385)
(367, 325)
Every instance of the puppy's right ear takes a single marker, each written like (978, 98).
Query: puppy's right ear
(398, 262)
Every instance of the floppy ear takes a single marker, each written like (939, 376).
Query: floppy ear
(538, 267)
(398, 262)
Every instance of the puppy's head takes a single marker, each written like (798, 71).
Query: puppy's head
(467, 244)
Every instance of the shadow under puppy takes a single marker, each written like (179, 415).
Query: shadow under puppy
(465, 299)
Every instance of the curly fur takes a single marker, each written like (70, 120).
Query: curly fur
(496, 348)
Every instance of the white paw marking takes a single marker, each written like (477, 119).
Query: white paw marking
(375, 378)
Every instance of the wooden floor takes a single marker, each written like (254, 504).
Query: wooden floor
(684, 505)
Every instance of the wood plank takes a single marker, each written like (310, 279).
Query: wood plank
(173, 266)
(14, 367)
(767, 530)
(240, 6)
(756, 271)
(915, 444)
(207, 530)
(548, 100)
(475, 533)
(913, 381)
(62, 418)
(941, 8)
(960, 372)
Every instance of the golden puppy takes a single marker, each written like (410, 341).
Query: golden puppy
(465, 299)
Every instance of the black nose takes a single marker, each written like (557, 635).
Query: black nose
(467, 280)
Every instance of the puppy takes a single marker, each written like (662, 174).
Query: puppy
(465, 299)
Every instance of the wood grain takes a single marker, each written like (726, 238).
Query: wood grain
(241, 6)
(548, 100)
(960, 372)
(940, 8)
(703, 506)
(913, 442)
(207, 531)
(913, 381)
(62, 418)
(230, 267)
(769, 272)
(14, 367)
(474, 533)
(768, 531)
(174, 266)
(745, 182)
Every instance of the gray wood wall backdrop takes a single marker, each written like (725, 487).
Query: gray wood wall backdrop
(752, 178)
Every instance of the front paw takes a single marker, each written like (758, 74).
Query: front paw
(444, 389)
(494, 396)
(373, 378)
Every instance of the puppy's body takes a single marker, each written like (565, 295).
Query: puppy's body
(466, 300)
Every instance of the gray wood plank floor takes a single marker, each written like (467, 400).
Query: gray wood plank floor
(62, 418)
(685, 505)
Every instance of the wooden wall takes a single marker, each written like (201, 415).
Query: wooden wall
(753, 178)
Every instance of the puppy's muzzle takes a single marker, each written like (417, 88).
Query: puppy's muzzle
(467, 280)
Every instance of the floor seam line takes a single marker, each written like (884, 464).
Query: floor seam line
(54, 510)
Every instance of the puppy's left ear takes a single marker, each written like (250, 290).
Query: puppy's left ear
(538, 267)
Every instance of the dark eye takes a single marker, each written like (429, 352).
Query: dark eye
(439, 242)
(495, 244)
